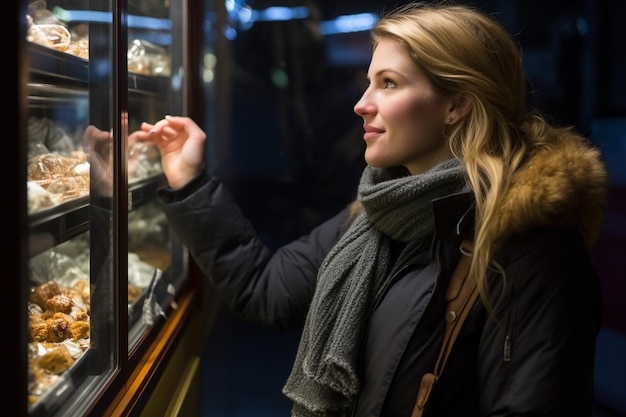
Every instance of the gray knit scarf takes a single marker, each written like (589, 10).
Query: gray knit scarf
(324, 379)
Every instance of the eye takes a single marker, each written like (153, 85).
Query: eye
(389, 83)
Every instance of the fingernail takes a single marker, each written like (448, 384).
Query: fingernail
(152, 131)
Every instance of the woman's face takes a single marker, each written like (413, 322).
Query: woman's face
(403, 117)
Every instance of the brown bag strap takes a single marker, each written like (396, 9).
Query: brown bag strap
(461, 295)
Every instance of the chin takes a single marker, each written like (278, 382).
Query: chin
(373, 161)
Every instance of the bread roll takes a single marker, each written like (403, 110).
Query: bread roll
(52, 36)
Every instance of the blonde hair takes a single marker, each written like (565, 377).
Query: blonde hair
(463, 50)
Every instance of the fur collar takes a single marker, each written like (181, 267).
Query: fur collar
(562, 185)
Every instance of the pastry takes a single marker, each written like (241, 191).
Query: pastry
(42, 293)
(55, 360)
(52, 36)
(60, 304)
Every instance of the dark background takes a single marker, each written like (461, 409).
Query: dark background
(284, 137)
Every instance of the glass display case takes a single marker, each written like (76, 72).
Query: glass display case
(101, 274)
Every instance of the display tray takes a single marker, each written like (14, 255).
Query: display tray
(144, 190)
(48, 95)
(148, 83)
(59, 223)
(149, 307)
(60, 65)
(49, 64)
(57, 212)
(71, 218)
(53, 399)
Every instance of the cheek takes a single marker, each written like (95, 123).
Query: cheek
(423, 118)
(410, 121)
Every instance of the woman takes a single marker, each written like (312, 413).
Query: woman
(452, 152)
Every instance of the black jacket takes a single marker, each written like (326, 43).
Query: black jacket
(531, 354)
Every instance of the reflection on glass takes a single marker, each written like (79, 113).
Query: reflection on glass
(57, 167)
(72, 340)
(155, 270)
(58, 188)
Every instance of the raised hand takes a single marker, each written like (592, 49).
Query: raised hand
(181, 143)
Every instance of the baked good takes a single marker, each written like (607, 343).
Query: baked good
(59, 328)
(69, 187)
(133, 293)
(56, 360)
(65, 177)
(38, 197)
(79, 48)
(50, 166)
(83, 288)
(42, 293)
(60, 304)
(47, 136)
(80, 330)
(39, 381)
(49, 35)
(59, 325)
(39, 331)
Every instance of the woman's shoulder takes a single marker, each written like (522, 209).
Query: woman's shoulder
(547, 257)
(332, 228)
(544, 244)
(562, 185)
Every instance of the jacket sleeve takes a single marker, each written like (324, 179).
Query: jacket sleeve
(271, 288)
(537, 349)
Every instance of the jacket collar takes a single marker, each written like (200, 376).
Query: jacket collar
(563, 184)
(454, 216)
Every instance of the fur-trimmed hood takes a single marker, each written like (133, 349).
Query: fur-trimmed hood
(564, 184)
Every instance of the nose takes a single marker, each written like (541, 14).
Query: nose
(364, 105)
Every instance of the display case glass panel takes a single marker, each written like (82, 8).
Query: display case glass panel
(104, 267)
(154, 90)
(72, 341)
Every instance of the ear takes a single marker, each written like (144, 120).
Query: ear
(459, 106)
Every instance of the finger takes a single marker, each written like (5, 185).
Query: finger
(169, 133)
(180, 123)
(154, 128)
(139, 136)
(146, 127)
(186, 124)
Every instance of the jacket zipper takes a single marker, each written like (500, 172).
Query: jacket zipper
(376, 302)
(394, 277)
(507, 348)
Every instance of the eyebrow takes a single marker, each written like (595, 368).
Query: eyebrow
(385, 70)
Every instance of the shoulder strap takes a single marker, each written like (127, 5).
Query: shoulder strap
(461, 295)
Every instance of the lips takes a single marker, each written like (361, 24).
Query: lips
(371, 132)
